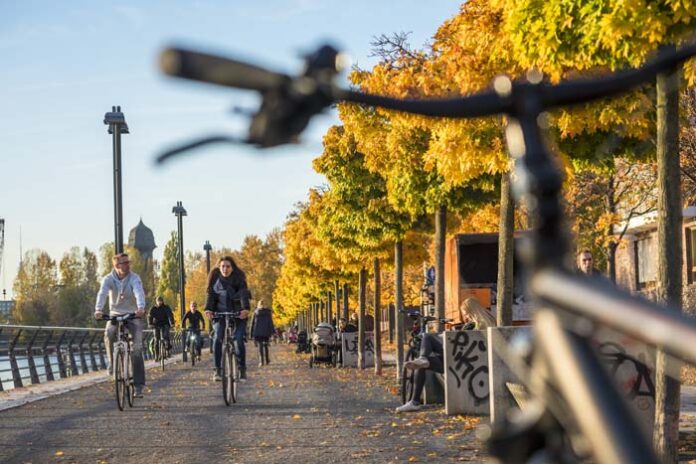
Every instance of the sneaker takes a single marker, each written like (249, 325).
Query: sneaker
(217, 377)
(260, 364)
(418, 363)
(411, 406)
(138, 391)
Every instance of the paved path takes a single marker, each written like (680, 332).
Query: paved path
(286, 413)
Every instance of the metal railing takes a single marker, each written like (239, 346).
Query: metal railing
(31, 355)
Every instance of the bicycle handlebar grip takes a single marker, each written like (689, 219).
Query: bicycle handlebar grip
(213, 69)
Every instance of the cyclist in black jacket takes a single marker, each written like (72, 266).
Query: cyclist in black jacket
(227, 292)
(161, 319)
(196, 323)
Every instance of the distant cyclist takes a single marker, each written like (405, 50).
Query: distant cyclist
(126, 295)
(227, 292)
(196, 323)
(161, 319)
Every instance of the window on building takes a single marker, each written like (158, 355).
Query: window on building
(646, 257)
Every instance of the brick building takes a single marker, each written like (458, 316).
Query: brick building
(636, 256)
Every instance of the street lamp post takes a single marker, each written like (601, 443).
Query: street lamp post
(117, 126)
(207, 249)
(180, 212)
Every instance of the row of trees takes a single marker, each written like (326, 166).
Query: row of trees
(62, 293)
(393, 178)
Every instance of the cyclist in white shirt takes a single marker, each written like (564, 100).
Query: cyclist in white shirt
(126, 295)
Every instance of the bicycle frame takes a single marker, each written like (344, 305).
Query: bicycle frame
(561, 298)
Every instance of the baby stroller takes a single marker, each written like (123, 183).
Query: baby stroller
(302, 345)
(323, 345)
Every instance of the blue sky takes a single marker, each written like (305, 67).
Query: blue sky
(66, 63)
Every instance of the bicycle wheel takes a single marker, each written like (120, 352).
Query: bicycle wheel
(130, 386)
(119, 380)
(192, 350)
(163, 352)
(228, 379)
(235, 376)
(184, 354)
(407, 379)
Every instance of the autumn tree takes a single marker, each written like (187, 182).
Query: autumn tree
(565, 37)
(168, 287)
(35, 289)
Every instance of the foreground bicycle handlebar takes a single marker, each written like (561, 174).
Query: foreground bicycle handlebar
(289, 102)
(575, 372)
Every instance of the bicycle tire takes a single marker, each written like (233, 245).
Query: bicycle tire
(227, 377)
(192, 351)
(163, 353)
(130, 386)
(407, 378)
(184, 354)
(119, 380)
(235, 376)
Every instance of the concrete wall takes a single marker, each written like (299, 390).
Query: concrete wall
(466, 372)
(499, 375)
(349, 345)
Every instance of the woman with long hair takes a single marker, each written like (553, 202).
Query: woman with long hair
(227, 292)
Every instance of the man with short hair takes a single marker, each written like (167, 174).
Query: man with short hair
(161, 318)
(586, 264)
(196, 323)
(126, 296)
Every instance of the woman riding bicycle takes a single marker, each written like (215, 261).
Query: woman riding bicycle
(227, 292)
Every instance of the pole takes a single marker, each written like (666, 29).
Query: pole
(117, 126)
(180, 212)
(207, 249)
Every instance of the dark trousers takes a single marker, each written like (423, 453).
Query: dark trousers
(163, 331)
(240, 349)
(431, 348)
(263, 349)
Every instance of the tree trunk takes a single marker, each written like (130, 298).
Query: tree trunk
(506, 250)
(329, 305)
(337, 294)
(611, 207)
(362, 281)
(669, 272)
(440, 236)
(399, 297)
(390, 322)
(377, 331)
(345, 302)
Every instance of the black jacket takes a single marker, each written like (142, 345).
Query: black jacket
(160, 316)
(195, 320)
(238, 294)
(262, 323)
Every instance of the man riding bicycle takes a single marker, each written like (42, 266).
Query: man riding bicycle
(161, 319)
(126, 295)
(196, 324)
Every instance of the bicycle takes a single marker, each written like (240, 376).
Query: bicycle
(418, 331)
(121, 362)
(161, 350)
(230, 364)
(192, 347)
(574, 401)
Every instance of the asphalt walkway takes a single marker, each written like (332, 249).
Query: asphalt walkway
(285, 413)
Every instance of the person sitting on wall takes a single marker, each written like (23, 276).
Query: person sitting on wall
(431, 358)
